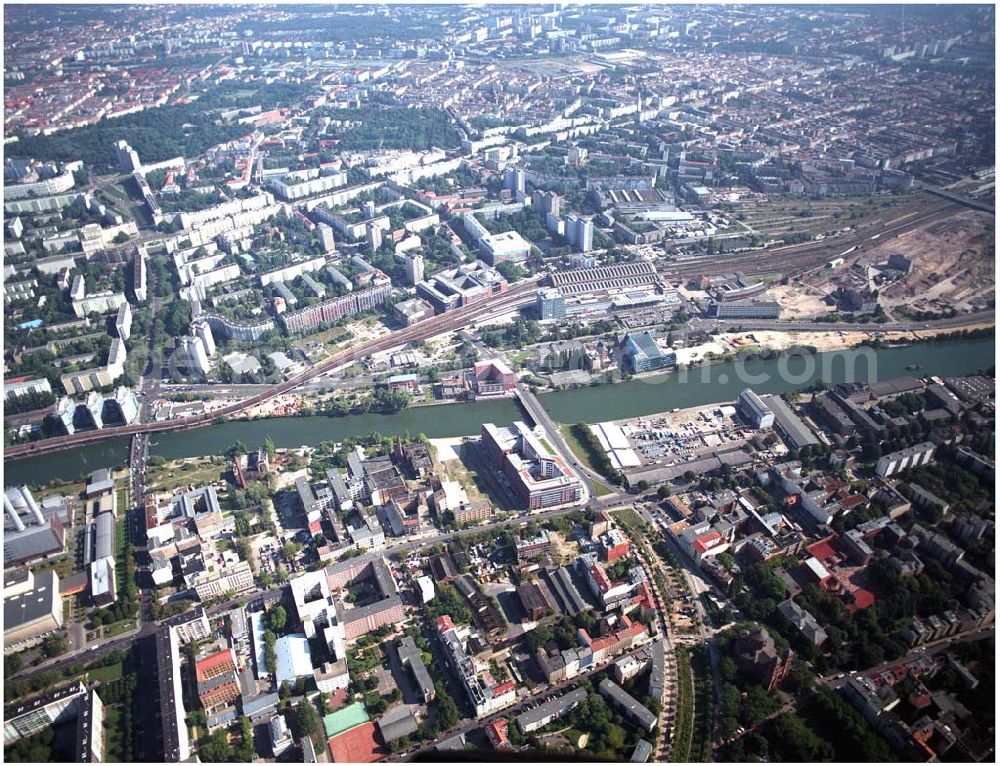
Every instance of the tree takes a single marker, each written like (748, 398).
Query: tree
(12, 663)
(237, 449)
(308, 720)
(177, 318)
(276, 618)
(269, 447)
(511, 271)
(54, 645)
(270, 656)
(217, 749)
(448, 714)
(790, 739)
(538, 637)
(245, 752)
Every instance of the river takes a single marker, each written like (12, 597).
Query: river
(687, 388)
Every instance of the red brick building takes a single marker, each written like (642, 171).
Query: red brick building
(218, 684)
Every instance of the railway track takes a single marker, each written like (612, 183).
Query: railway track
(448, 322)
(798, 258)
(811, 255)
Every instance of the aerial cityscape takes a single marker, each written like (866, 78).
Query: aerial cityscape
(499, 382)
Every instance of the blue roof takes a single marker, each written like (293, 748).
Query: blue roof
(30, 324)
(227, 715)
(643, 344)
(263, 702)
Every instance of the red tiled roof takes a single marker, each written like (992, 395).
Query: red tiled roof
(497, 732)
(213, 665)
(360, 744)
(822, 550)
(705, 542)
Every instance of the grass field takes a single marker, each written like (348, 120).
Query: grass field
(117, 628)
(109, 673)
(180, 473)
(123, 498)
(121, 553)
(112, 734)
(581, 452)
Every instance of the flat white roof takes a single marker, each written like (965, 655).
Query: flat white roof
(817, 567)
(615, 436)
(627, 458)
(293, 658)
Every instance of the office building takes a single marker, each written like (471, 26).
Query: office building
(540, 477)
(641, 353)
(492, 377)
(789, 426)
(505, 246)
(32, 614)
(42, 712)
(462, 286)
(551, 304)
(102, 567)
(362, 620)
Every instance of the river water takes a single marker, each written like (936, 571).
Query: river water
(686, 388)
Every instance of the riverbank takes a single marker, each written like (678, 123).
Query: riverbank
(717, 382)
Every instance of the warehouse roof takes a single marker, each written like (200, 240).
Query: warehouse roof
(794, 429)
(104, 528)
(27, 607)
